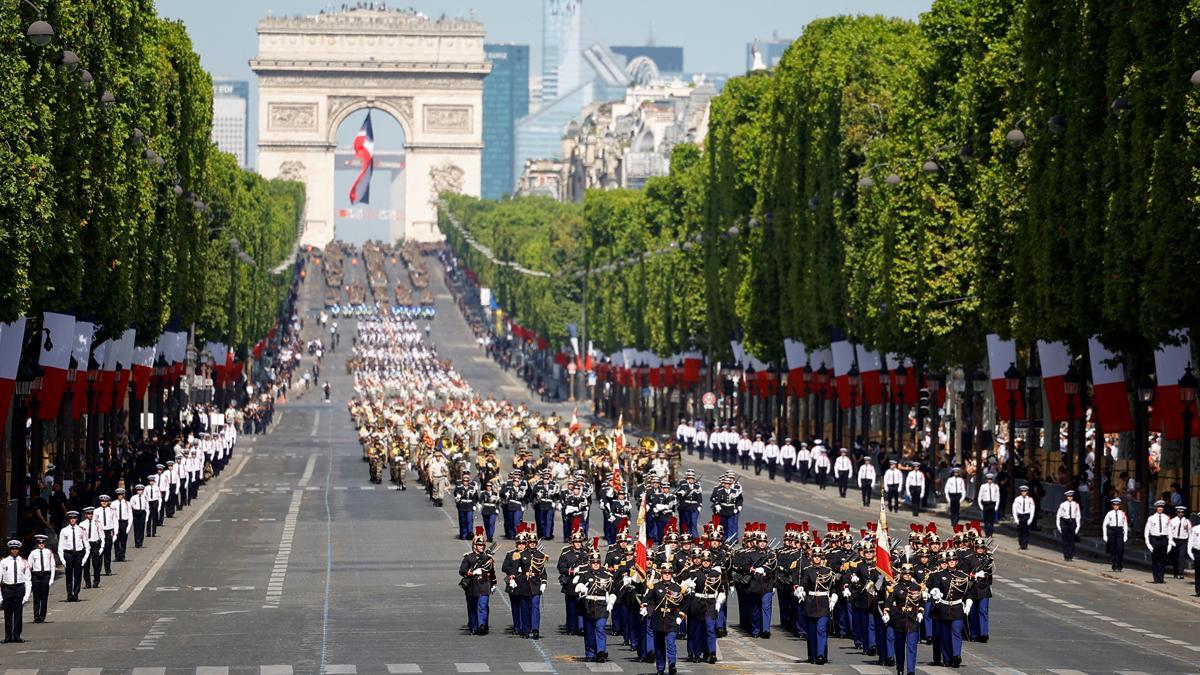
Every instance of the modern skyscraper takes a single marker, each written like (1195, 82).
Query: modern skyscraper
(505, 100)
(668, 59)
(230, 120)
(562, 47)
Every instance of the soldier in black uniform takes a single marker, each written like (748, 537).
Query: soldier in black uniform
(571, 561)
(950, 591)
(593, 586)
(814, 591)
(478, 572)
(512, 503)
(664, 607)
(489, 508)
(689, 496)
(546, 495)
(787, 569)
(532, 584)
(574, 506)
(707, 598)
(466, 500)
(982, 568)
(905, 612)
(726, 502)
(515, 563)
(863, 583)
(760, 586)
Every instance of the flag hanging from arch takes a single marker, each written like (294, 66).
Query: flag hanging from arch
(364, 150)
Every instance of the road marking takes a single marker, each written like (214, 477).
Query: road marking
(341, 669)
(1105, 618)
(1122, 624)
(473, 667)
(604, 667)
(316, 423)
(279, 572)
(1067, 672)
(536, 667)
(1004, 671)
(157, 630)
(789, 509)
(275, 670)
(1156, 636)
(167, 550)
(212, 670)
(1132, 672)
(366, 487)
(84, 671)
(148, 671)
(403, 668)
(1029, 580)
(21, 671)
(308, 470)
(1089, 612)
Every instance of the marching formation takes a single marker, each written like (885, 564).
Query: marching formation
(671, 558)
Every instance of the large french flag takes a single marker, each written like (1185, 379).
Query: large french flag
(843, 359)
(105, 355)
(1170, 362)
(364, 150)
(822, 357)
(143, 368)
(1001, 355)
(906, 395)
(12, 338)
(869, 366)
(124, 353)
(54, 356)
(1055, 359)
(81, 351)
(1108, 390)
(797, 359)
(692, 362)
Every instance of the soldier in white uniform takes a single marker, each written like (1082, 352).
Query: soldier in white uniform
(843, 467)
(914, 484)
(804, 462)
(15, 589)
(701, 440)
(162, 481)
(124, 521)
(41, 575)
(1193, 550)
(153, 504)
(105, 517)
(95, 542)
(955, 490)
(73, 551)
(1068, 521)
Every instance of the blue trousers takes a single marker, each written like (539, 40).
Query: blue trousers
(688, 521)
(594, 638)
(466, 524)
(927, 629)
(619, 617)
(535, 613)
(744, 602)
(787, 611)
(664, 648)
(477, 612)
(978, 618)
(905, 647)
(511, 518)
(951, 642)
(884, 637)
(610, 531)
(574, 620)
(544, 520)
(864, 627)
(817, 629)
(723, 616)
(841, 617)
(701, 635)
(760, 612)
(730, 525)
(489, 526)
(520, 611)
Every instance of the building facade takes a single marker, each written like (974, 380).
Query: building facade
(231, 121)
(562, 47)
(668, 59)
(505, 100)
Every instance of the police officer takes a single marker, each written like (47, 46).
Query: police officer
(842, 468)
(914, 483)
(989, 500)
(466, 502)
(955, 490)
(478, 572)
(1022, 514)
(866, 480)
(1115, 529)
(140, 508)
(124, 514)
(1181, 530)
(893, 483)
(106, 517)
(15, 588)
(153, 505)
(1068, 519)
(41, 575)
(73, 551)
(1158, 540)
(95, 541)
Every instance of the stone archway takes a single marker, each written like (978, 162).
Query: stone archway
(314, 71)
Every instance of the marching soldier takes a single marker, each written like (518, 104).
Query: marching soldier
(949, 590)
(726, 502)
(664, 607)
(1181, 530)
(787, 458)
(982, 569)
(893, 483)
(760, 585)
(574, 506)
(862, 598)
(1068, 521)
(1193, 550)
(906, 614)
(124, 513)
(15, 588)
(466, 502)
(616, 511)
(771, 456)
(153, 504)
(95, 541)
(1022, 513)
(661, 503)
(41, 575)
(842, 468)
(512, 503)
(140, 508)
(593, 585)
(489, 507)
(989, 500)
(707, 597)
(478, 572)
(914, 484)
(804, 462)
(571, 561)
(515, 562)
(821, 465)
(1158, 541)
(814, 590)
(689, 496)
(545, 500)
(106, 516)
(955, 490)
(73, 551)
(866, 480)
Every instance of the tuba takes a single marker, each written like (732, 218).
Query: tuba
(600, 443)
(648, 444)
(518, 431)
(488, 441)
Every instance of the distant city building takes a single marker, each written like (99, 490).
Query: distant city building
(771, 50)
(231, 122)
(562, 47)
(668, 59)
(505, 100)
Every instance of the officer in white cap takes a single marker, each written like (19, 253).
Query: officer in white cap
(1068, 521)
(41, 575)
(140, 508)
(73, 551)
(95, 542)
(106, 517)
(124, 520)
(14, 590)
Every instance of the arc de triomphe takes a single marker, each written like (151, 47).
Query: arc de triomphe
(316, 70)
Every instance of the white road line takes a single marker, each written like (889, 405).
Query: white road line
(212, 670)
(1105, 618)
(536, 667)
(275, 670)
(341, 669)
(279, 572)
(84, 671)
(1132, 672)
(604, 667)
(308, 470)
(316, 423)
(473, 667)
(871, 670)
(403, 668)
(1004, 671)
(1067, 672)
(148, 671)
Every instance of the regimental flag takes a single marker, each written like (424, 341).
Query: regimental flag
(883, 546)
(574, 420)
(1001, 355)
(364, 150)
(54, 356)
(640, 549)
(1108, 390)
(1170, 362)
(1055, 360)
(12, 338)
(619, 435)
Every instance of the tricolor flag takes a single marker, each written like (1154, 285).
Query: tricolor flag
(143, 368)
(1170, 362)
(619, 435)
(640, 546)
(1001, 355)
(843, 360)
(883, 546)
(124, 356)
(105, 355)
(797, 359)
(869, 366)
(54, 356)
(81, 351)
(1055, 360)
(1108, 390)
(574, 420)
(12, 338)
(364, 150)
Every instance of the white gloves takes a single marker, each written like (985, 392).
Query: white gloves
(833, 600)
(717, 568)
(477, 572)
(967, 605)
(846, 593)
(920, 616)
(924, 595)
(759, 570)
(886, 617)
(800, 593)
(612, 600)
(643, 611)
(679, 621)
(980, 574)
(854, 578)
(478, 507)
(493, 589)
(580, 589)
(720, 600)
(543, 588)
(935, 593)
(512, 583)
(689, 584)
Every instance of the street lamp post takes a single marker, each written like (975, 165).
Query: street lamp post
(1071, 389)
(1187, 396)
(1012, 383)
(1145, 396)
(1033, 386)
(934, 384)
(901, 415)
(855, 380)
(978, 382)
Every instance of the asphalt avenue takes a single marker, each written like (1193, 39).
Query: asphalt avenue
(295, 563)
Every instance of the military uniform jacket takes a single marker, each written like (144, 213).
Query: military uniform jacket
(476, 586)
(703, 598)
(533, 572)
(465, 497)
(955, 585)
(595, 599)
(661, 504)
(616, 508)
(862, 592)
(981, 587)
(903, 611)
(574, 505)
(512, 497)
(545, 496)
(570, 562)
(817, 582)
(739, 563)
(761, 583)
(665, 603)
(689, 496)
(489, 502)
(725, 501)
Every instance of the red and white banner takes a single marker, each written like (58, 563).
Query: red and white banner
(12, 338)
(106, 356)
(1001, 355)
(54, 356)
(81, 351)
(797, 359)
(692, 362)
(143, 368)
(124, 354)
(1055, 360)
(869, 366)
(883, 546)
(843, 359)
(364, 150)
(641, 549)
(1108, 390)
(1170, 362)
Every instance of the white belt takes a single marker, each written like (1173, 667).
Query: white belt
(706, 595)
(950, 602)
(818, 593)
(597, 598)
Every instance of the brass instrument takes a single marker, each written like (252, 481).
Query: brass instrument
(648, 444)
(518, 431)
(600, 443)
(488, 441)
